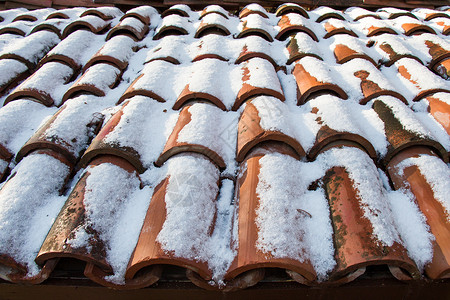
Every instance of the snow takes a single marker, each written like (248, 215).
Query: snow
(143, 114)
(115, 209)
(33, 47)
(209, 127)
(412, 226)
(317, 68)
(355, 12)
(322, 10)
(398, 44)
(71, 13)
(305, 44)
(9, 70)
(436, 173)
(70, 128)
(19, 119)
(216, 19)
(283, 194)
(79, 46)
(39, 14)
(134, 23)
(96, 22)
(32, 195)
(161, 78)
(119, 47)
(144, 10)
(176, 21)
(214, 9)
(261, 74)
(100, 75)
(169, 46)
(256, 21)
(406, 116)
(272, 111)
(190, 206)
(49, 79)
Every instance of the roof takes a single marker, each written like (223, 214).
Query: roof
(313, 141)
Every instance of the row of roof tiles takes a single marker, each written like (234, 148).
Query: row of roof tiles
(226, 135)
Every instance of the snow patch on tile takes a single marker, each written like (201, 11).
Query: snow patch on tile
(412, 226)
(436, 173)
(32, 195)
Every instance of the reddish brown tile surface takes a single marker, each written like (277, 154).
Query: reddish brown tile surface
(223, 144)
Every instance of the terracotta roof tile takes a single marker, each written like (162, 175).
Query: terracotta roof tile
(225, 143)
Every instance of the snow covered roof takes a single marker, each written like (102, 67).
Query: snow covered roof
(316, 142)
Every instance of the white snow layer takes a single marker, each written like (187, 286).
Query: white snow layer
(31, 195)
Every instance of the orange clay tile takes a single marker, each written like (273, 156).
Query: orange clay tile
(434, 212)
(251, 134)
(99, 57)
(372, 90)
(375, 30)
(287, 29)
(144, 19)
(170, 30)
(332, 30)
(206, 12)
(13, 81)
(197, 58)
(295, 53)
(25, 17)
(128, 30)
(291, 8)
(356, 248)
(393, 55)
(248, 31)
(446, 30)
(343, 54)
(307, 85)
(95, 88)
(148, 251)
(368, 15)
(99, 147)
(71, 217)
(85, 24)
(100, 13)
(131, 91)
(401, 14)
(28, 88)
(440, 111)
(437, 53)
(327, 137)
(435, 15)
(399, 138)
(405, 73)
(246, 12)
(247, 90)
(210, 28)
(174, 147)
(19, 272)
(330, 15)
(187, 96)
(248, 256)
(414, 29)
(39, 140)
(49, 27)
(146, 277)
(12, 30)
(442, 68)
(174, 11)
(246, 55)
